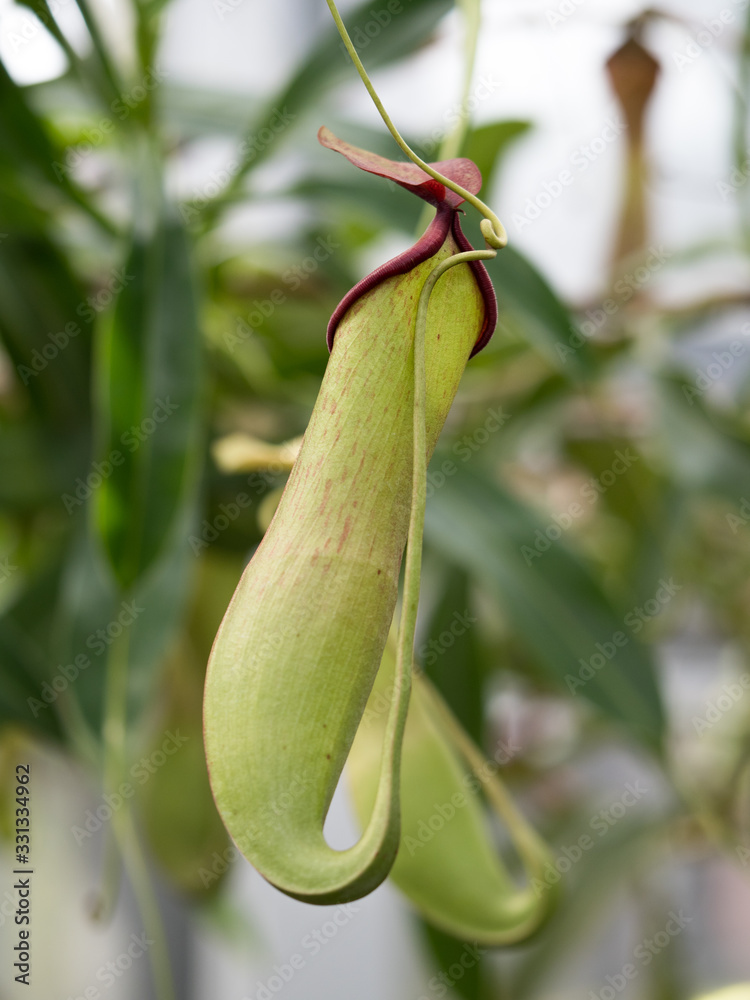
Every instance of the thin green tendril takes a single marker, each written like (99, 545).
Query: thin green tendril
(413, 559)
(491, 227)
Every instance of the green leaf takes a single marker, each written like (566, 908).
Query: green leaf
(343, 191)
(177, 797)
(546, 322)
(43, 12)
(327, 64)
(41, 323)
(27, 653)
(555, 605)
(449, 654)
(701, 452)
(149, 402)
(92, 612)
(21, 677)
(589, 895)
(488, 144)
(45, 461)
(447, 951)
(643, 504)
(28, 149)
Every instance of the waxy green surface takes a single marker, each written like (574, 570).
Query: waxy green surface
(448, 864)
(302, 640)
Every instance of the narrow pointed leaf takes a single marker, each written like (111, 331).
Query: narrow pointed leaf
(149, 400)
(555, 605)
(328, 63)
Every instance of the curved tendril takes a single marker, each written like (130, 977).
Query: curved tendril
(492, 228)
(413, 560)
(454, 140)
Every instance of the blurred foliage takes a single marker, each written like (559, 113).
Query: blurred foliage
(607, 501)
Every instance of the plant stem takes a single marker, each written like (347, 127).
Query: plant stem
(107, 67)
(148, 904)
(114, 729)
(741, 150)
(531, 848)
(454, 140)
(123, 828)
(77, 729)
(115, 712)
(413, 559)
(492, 229)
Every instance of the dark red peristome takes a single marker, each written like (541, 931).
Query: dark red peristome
(427, 246)
(446, 221)
(485, 287)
